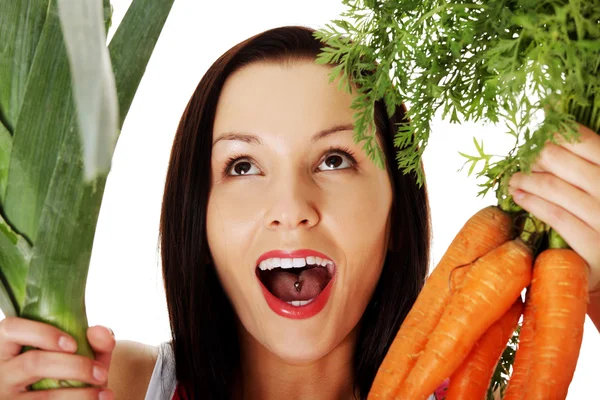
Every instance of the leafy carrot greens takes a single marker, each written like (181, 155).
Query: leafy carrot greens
(533, 65)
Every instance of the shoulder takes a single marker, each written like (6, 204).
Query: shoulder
(131, 368)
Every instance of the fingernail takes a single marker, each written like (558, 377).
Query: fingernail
(104, 395)
(67, 344)
(110, 331)
(99, 374)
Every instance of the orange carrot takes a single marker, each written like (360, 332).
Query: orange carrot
(517, 384)
(484, 231)
(472, 379)
(490, 287)
(559, 296)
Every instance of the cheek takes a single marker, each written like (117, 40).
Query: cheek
(229, 229)
(359, 225)
(230, 223)
(359, 213)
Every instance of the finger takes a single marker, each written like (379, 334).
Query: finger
(571, 168)
(561, 193)
(589, 146)
(537, 167)
(578, 235)
(18, 332)
(68, 394)
(34, 365)
(103, 342)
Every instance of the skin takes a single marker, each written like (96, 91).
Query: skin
(290, 205)
(296, 194)
(563, 190)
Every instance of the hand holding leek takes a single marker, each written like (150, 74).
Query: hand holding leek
(54, 360)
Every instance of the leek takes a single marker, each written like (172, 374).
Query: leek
(64, 96)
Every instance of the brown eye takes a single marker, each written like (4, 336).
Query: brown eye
(242, 167)
(336, 161)
(333, 161)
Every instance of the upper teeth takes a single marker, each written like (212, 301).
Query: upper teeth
(271, 263)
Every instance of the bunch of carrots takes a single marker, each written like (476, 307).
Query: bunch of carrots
(486, 61)
(470, 306)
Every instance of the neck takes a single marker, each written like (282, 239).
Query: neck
(266, 376)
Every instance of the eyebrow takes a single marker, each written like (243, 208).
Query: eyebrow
(255, 140)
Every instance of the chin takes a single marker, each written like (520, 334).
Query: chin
(298, 350)
(294, 342)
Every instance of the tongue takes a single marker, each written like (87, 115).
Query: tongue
(282, 283)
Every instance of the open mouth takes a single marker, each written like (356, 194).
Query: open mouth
(296, 281)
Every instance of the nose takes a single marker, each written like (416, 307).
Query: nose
(293, 204)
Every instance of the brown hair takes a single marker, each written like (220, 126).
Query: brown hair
(204, 336)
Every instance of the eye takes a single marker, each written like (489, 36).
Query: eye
(238, 166)
(336, 159)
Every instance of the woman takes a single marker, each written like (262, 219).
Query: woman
(264, 173)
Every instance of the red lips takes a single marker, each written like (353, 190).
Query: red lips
(285, 309)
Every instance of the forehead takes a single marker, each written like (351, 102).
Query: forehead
(275, 97)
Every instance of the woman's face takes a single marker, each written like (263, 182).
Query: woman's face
(290, 188)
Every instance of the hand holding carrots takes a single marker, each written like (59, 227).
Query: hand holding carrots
(441, 338)
(564, 191)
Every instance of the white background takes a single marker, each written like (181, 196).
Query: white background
(125, 289)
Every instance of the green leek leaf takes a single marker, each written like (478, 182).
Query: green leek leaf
(15, 256)
(43, 121)
(108, 13)
(95, 96)
(21, 23)
(132, 45)
(5, 150)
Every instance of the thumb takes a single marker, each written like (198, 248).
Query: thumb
(103, 343)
